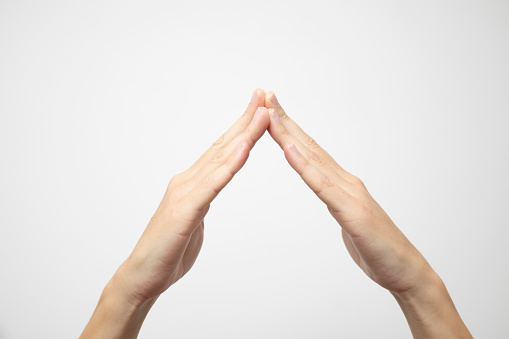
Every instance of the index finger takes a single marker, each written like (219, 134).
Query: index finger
(295, 130)
(257, 100)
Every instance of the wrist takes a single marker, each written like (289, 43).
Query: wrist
(430, 311)
(428, 286)
(117, 314)
(425, 300)
(118, 292)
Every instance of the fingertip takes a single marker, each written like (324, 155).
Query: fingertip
(263, 110)
(263, 115)
(273, 115)
(258, 96)
(271, 100)
(267, 99)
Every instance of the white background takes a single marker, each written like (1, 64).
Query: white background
(102, 102)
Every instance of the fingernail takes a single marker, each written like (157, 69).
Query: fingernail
(257, 113)
(275, 116)
(273, 100)
(253, 97)
(239, 147)
(292, 148)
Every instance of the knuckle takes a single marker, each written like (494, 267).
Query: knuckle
(332, 210)
(325, 184)
(209, 182)
(249, 137)
(283, 116)
(328, 183)
(315, 159)
(219, 142)
(356, 180)
(318, 190)
(312, 143)
(176, 180)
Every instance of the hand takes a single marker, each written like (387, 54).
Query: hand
(374, 242)
(172, 239)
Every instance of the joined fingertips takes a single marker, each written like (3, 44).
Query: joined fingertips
(271, 100)
(284, 125)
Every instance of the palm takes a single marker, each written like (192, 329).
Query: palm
(193, 249)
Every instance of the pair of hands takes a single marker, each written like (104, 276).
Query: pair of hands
(173, 238)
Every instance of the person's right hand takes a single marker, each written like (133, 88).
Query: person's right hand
(374, 242)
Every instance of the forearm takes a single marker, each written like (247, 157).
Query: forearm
(116, 316)
(430, 311)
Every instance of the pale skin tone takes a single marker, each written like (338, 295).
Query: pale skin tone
(172, 240)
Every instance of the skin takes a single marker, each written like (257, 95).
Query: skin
(172, 239)
(374, 242)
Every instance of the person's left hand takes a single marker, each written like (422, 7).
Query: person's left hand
(172, 240)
